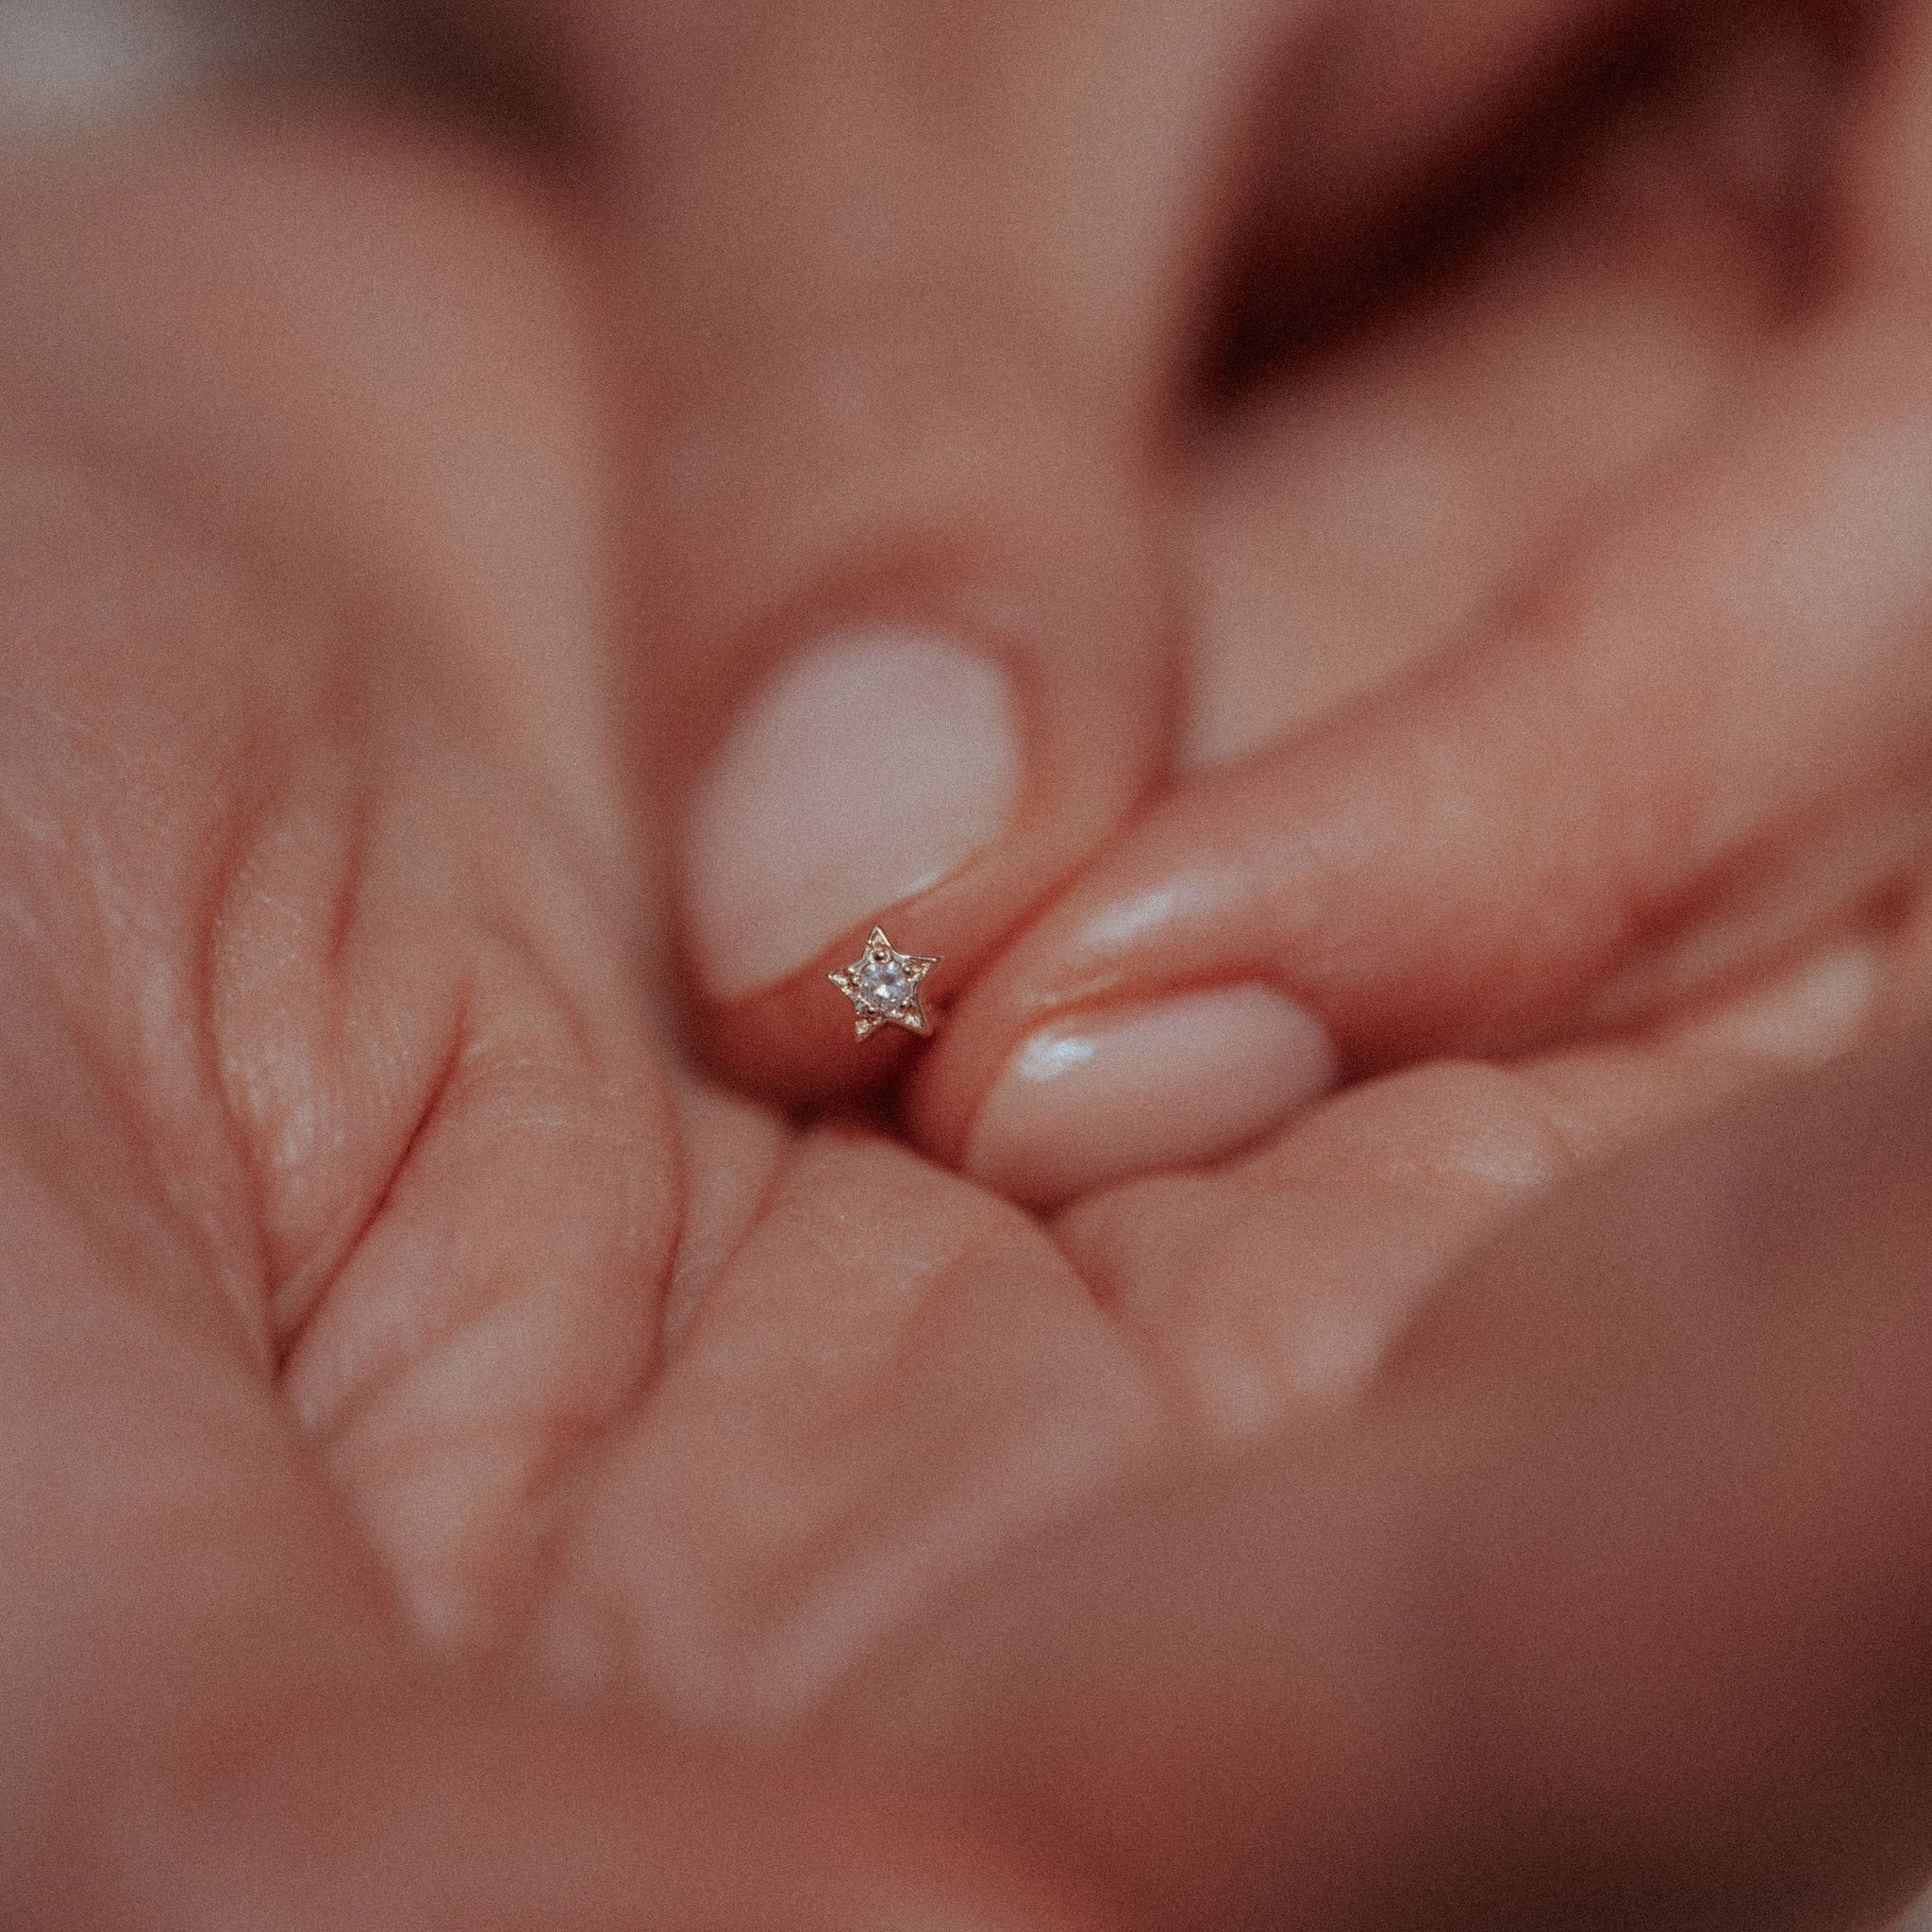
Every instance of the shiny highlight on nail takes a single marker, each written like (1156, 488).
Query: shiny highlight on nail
(1172, 1082)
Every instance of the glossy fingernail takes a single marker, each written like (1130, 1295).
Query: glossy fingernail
(871, 765)
(1805, 1016)
(1129, 1089)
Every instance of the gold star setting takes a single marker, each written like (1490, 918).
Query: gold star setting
(883, 986)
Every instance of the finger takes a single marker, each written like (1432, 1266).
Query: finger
(1367, 508)
(910, 655)
(907, 290)
(1695, 742)
(1272, 1288)
(1608, 1608)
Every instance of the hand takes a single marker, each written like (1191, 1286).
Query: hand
(908, 296)
(392, 1340)
(1583, 679)
(1646, 711)
(342, 1179)
(1603, 1606)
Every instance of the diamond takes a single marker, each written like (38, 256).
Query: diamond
(884, 982)
(883, 985)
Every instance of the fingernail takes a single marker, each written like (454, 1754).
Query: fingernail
(871, 765)
(1805, 1016)
(1166, 1083)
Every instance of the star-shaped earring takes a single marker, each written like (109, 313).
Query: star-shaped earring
(883, 985)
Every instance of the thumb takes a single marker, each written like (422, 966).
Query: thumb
(910, 629)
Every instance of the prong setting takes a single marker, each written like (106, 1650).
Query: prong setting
(883, 985)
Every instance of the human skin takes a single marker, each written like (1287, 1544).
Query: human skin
(468, 1467)
(909, 299)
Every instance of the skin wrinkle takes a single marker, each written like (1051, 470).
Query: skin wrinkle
(814, 1594)
(261, 1147)
(1520, 1139)
(241, 824)
(230, 845)
(835, 1533)
(1158, 1358)
(106, 1074)
(458, 1089)
(340, 927)
(678, 1321)
(152, 1187)
(1517, 1138)
(656, 1292)
(1232, 1205)
(173, 1247)
(175, 1164)
(656, 1289)
(1780, 896)
(462, 1076)
(537, 1070)
(369, 1394)
(952, 1560)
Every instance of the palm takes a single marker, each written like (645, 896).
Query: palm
(621, 1378)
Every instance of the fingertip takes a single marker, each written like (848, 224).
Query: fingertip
(1101, 1095)
(933, 775)
(872, 766)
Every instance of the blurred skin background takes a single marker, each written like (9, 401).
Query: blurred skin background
(1359, 573)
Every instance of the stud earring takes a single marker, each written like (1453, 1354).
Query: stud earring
(883, 986)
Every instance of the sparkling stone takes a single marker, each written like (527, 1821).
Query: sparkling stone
(886, 984)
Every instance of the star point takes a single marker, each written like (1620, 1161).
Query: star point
(883, 986)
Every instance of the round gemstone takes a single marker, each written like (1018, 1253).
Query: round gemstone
(885, 984)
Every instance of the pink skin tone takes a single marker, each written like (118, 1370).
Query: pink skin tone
(1599, 853)
(468, 1468)
(1628, 458)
